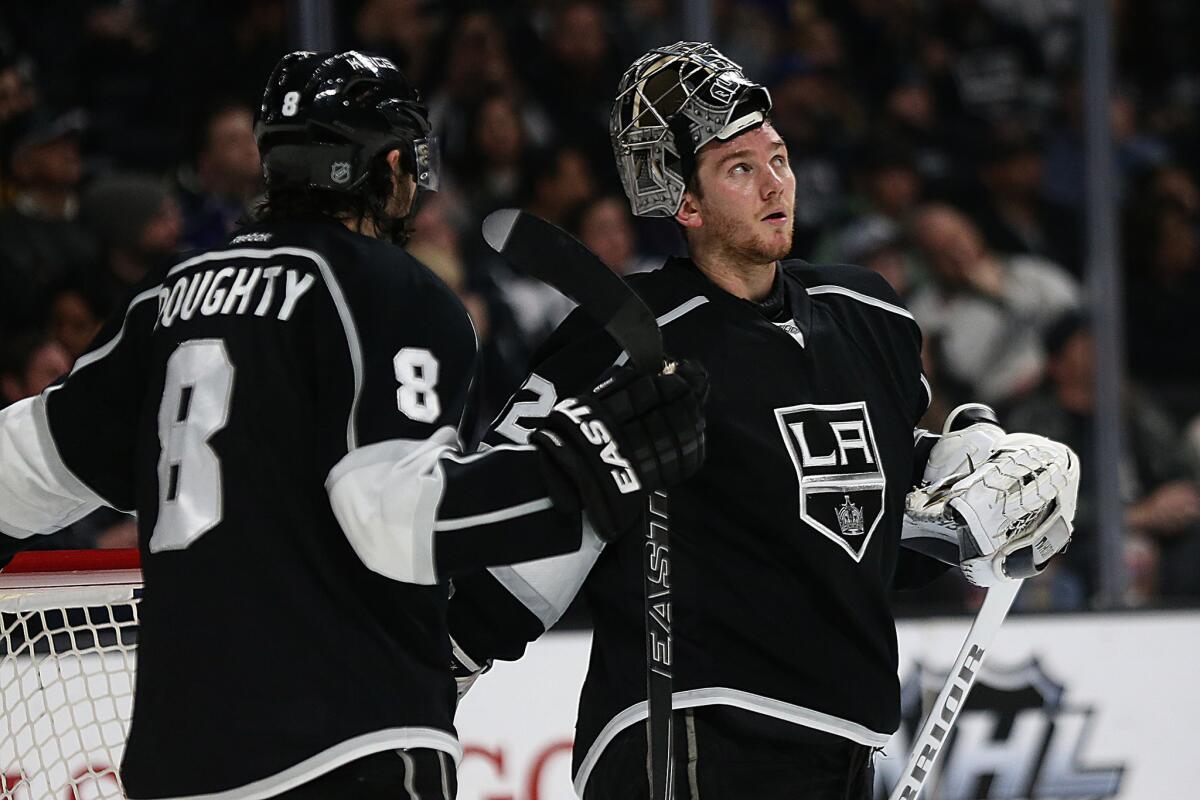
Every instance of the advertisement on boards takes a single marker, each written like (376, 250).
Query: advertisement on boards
(1066, 708)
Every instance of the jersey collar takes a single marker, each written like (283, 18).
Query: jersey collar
(787, 302)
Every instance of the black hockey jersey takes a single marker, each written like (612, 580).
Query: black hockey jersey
(784, 545)
(281, 412)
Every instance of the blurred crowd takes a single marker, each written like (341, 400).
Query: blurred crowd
(939, 142)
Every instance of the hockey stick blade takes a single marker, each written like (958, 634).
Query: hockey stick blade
(550, 254)
(935, 732)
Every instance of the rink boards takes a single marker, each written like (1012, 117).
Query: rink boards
(1068, 707)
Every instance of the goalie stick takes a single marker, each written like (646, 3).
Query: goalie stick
(548, 253)
(932, 738)
(933, 735)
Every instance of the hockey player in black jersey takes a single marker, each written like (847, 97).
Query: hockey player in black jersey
(282, 412)
(786, 544)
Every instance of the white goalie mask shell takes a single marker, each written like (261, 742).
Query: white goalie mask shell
(686, 86)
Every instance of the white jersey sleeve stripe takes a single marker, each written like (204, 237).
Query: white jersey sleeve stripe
(499, 515)
(38, 494)
(385, 497)
(547, 587)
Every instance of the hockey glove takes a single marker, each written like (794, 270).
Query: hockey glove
(604, 450)
(1009, 514)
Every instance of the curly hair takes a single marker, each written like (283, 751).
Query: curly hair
(366, 202)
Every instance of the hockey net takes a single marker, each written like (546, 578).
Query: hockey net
(68, 630)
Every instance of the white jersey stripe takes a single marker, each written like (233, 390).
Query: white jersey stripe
(669, 317)
(860, 297)
(722, 696)
(499, 515)
(336, 756)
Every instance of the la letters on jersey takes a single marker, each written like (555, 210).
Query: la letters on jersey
(232, 290)
(837, 463)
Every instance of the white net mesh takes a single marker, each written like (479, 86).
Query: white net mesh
(67, 660)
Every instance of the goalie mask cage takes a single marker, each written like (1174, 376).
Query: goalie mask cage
(68, 631)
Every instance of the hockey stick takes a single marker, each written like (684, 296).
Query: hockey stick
(545, 251)
(932, 737)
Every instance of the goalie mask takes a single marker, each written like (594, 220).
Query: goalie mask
(325, 116)
(670, 103)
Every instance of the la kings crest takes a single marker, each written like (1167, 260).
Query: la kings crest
(839, 471)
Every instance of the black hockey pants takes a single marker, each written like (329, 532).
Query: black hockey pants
(724, 753)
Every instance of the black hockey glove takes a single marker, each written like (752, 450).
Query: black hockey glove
(632, 434)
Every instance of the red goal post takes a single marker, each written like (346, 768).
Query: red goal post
(68, 633)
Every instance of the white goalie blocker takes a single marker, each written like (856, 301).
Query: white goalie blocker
(1000, 505)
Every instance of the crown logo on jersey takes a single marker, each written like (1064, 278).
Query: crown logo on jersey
(850, 518)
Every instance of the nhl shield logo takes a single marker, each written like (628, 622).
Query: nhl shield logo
(339, 171)
(837, 463)
(1017, 737)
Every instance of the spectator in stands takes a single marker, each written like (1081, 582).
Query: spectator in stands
(1162, 501)
(818, 120)
(17, 98)
(40, 242)
(31, 362)
(224, 177)
(1064, 177)
(886, 185)
(475, 63)
(491, 174)
(605, 225)
(16, 94)
(77, 310)
(138, 223)
(1011, 212)
(876, 242)
(983, 65)
(557, 180)
(911, 118)
(988, 310)
(582, 67)
(1162, 300)
(400, 30)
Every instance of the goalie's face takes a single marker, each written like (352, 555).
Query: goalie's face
(743, 197)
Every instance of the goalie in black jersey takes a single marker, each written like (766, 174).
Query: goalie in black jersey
(282, 413)
(786, 544)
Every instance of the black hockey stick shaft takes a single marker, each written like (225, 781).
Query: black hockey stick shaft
(550, 254)
(656, 577)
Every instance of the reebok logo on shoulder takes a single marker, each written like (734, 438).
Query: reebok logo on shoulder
(247, 238)
(596, 433)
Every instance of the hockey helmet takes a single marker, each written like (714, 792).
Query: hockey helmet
(670, 103)
(325, 116)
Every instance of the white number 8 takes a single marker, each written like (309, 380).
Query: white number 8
(417, 372)
(291, 101)
(195, 405)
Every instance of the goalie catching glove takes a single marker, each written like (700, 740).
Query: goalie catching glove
(604, 450)
(999, 505)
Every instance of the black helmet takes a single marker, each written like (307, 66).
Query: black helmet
(325, 116)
